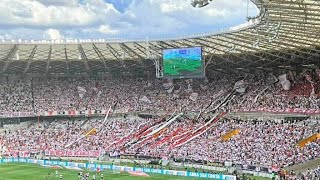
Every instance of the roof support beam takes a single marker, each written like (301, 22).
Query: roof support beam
(48, 59)
(131, 52)
(214, 49)
(67, 61)
(100, 55)
(113, 52)
(242, 60)
(283, 42)
(84, 58)
(167, 45)
(262, 52)
(33, 52)
(247, 41)
(9, 58)
(139, 47)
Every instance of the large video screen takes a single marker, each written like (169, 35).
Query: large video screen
(183, 63)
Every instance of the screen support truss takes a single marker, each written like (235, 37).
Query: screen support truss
(158, 66)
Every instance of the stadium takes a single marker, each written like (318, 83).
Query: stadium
(243, 103)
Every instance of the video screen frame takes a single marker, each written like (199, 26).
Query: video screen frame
(193, 76)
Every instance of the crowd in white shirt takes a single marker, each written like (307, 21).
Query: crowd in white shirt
(258, 143)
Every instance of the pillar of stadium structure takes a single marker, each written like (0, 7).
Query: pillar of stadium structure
(48, 60)
(156, 61)
(67, 60)
(9, 58)
(100, 55)
(84, 58)
(207, 62)
(33, 52)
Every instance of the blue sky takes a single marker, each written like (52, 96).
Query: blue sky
(125, 19)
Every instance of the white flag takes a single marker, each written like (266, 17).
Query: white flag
(240, 86)
(81, 91)
(145, 99)
(284, 82)
(194, 96)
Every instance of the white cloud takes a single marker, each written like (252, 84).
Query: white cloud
(34, 13)
(95, 18)
(105, 29)
(53, 34)
(172, 7)
(59, 2)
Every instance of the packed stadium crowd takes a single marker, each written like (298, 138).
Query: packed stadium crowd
(267, 143)
(309, 174)
(260, 143)
(260, 93)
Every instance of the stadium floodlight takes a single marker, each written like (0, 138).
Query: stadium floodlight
(200, 3)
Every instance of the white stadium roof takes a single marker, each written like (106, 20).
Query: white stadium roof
(285, 33)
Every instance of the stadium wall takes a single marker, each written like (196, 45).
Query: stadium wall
(94, 166)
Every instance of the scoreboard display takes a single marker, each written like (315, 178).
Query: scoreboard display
(183, 63)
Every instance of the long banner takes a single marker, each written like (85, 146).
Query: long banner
(94, 166)
(104, 112)
(285, 111)
(56, 153)
(59, 153)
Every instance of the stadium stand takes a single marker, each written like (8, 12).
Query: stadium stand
(268, 144)
(40, 95)
(271, 67)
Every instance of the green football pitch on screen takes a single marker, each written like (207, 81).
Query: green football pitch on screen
(184, 62)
